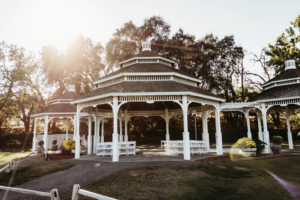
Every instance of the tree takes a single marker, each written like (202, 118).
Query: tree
(285, 48)
(18, 88)
(81, 64)
(127, 40)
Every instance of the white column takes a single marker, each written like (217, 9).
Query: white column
(77, 136)
(115, 134)
(67, 129)
(121, 124)
(46, 134)
(207, 133)
(186, 134)
(266, 133)
(289, 133)
(95, 131)
(249, 135)
(90, 132)
(126, 123)
(34, 137)
(102, 131)
(167, 119)
(219, 144)
(260, 135)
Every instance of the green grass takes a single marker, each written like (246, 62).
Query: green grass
(245, 180)
(31, 169)
(7, 155)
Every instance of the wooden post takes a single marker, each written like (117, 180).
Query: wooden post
(75, 195)
(54, 194)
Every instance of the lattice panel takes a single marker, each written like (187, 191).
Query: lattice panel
(283, 102)
(148, 78)
(239, 105)
(150, 98)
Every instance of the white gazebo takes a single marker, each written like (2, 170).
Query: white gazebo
(148, 85)
(60, 109)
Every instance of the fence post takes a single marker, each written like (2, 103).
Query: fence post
(54, 194)
(75, 195)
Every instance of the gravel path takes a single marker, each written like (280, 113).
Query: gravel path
(83, 173)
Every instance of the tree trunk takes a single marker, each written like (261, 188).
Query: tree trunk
(53, 127)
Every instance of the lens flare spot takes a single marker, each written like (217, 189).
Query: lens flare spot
(236, 152)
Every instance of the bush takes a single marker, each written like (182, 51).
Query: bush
(260, 146)
(246, 142)
(68, 145)
(41, 143)
(54, 142)
(277, 140)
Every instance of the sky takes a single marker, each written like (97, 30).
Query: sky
(33, 24)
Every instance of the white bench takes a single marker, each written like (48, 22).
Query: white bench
(125, 148)
(177, 147)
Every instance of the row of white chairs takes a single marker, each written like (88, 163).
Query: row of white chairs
(125, 148)
(177, 147)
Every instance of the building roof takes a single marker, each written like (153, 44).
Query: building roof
(287, 74)
(278, 92)
(146, 54)
(146, 86)
(68, 95)
(58, 108)
(148, 67)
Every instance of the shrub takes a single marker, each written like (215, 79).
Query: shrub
(54, 142)
(41, 143)
(277, 140)
(260, 146)
(68, 145)
(246, 142)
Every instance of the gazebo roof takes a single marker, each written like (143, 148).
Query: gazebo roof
(148, 67)
(61, 104)
(279, 92)
(68, 95)
(149, 87)
(58, 108)
(288, 74)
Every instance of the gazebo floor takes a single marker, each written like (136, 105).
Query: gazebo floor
(151, 155)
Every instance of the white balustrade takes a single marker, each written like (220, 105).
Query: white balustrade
(125, 148)
(176, 147)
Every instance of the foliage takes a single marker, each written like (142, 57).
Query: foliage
(210, 59)
(277, 140)
(41, 143)
(54, 142)
(22, 139)
(68, 144)
(246, 142)
(260, 146)
(80, 64)
(285, 48)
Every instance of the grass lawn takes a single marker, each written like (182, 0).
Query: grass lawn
(230, 180)
(31, 169)
(7, 155)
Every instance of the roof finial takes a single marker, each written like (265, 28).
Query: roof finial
(290, 64)
(146, 46)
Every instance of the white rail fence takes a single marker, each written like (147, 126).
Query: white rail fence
(8, 167)
(53, 194)
(77, 191)
(125, 148)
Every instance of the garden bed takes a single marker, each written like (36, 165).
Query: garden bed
(59, 156)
